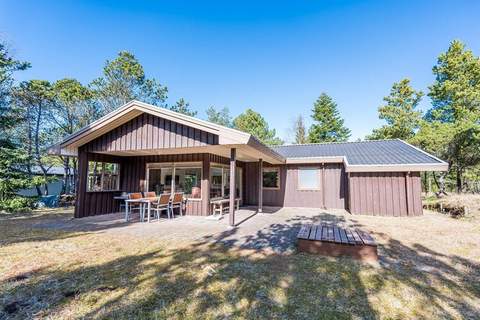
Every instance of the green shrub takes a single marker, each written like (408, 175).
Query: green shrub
(17, 204)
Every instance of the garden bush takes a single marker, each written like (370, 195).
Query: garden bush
(17, 204)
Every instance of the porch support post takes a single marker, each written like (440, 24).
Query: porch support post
(206, 185)
(260, 185)
(233, 156)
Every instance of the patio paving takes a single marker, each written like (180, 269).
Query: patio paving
(273, 230)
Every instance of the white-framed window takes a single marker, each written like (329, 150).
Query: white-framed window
(103, 176)
(308, 178)
(220, 181)
(271, 178)
(183, 177)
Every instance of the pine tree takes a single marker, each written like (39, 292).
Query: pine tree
(221, 117)
(328, 124)
(12, 157)
(253, 123)
(299, 130)
(182, 106)
(399, 111)
(454, 120)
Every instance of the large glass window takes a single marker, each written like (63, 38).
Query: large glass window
(103, 176)
(308, 178)
(188, 179)
(271, 178)
(216, 182)
(160, 180)
(220, 182)
(189, 182)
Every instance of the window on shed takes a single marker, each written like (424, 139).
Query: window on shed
(271, 178)
(103, 176)
(308, 179)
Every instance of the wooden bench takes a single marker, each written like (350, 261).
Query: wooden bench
(332, 240)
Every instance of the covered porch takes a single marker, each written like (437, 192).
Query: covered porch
(206, 181)
(143, 148)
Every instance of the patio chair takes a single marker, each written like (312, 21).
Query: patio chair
(162, 204)
(177, 202)
(135, 206)
(149, 194)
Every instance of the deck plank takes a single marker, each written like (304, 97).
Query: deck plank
(318, 237)
(325, 233)
(331, 237)
(356, 237)
(313, 231)
(336, 233)
(304, 231)
(351, 239)
(343, 236)
(366, 238)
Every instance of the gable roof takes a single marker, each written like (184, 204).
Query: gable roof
(226, 136)
(365, 155)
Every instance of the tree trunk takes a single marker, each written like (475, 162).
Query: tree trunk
(45, 185)
(66, 175)
(459, 180)
(440, 182)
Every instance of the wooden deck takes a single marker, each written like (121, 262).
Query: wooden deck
(333, 240)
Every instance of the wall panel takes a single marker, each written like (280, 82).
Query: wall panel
(147, 132)
(385, 193)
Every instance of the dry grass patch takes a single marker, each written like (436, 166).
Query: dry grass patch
(457, 205)
(63, 275)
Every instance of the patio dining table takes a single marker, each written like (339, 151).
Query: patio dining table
(145, 203)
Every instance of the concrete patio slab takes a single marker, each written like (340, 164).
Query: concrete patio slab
(272, 230)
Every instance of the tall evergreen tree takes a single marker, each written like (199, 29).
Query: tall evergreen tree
(299, 130)
(328, 124)
(221, 117)
(399, 111)
(35, 100)
(182, 106)
(454, 119)
(253, 123)
(73, 109)
(12, 158)
(124, 80)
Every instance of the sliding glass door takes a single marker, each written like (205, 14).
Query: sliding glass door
(220, 182)
(175, 177)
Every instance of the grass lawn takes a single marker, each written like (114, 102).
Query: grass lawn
(429, 269)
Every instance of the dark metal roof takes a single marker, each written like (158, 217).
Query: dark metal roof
(361, 153)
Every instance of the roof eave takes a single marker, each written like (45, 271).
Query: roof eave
(413, 167)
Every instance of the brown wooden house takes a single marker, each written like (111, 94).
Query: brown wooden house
(140, 147)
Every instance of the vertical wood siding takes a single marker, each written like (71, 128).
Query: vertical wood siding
(385, 193)
(332, 192)
(133, 178)
(93, 203)
(150, 132)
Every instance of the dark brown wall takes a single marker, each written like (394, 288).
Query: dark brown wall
(385, 193)
(332, 177)
(150, 132)
(132, 179)
(94, 203)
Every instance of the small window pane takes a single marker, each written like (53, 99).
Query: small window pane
(160, 180)
(271, 178)
(215, 182)
(308, 178)
(103, 176)
(189, 182)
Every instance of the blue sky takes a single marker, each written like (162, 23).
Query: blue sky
(275, 57)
